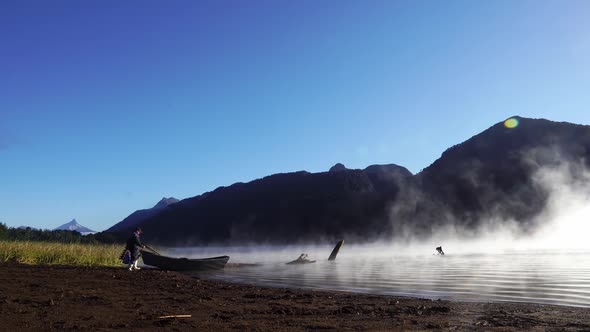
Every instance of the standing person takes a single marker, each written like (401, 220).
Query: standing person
(134, 245)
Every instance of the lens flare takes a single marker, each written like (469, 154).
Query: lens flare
(511, 123)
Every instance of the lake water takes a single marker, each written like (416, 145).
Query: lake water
(561, 278)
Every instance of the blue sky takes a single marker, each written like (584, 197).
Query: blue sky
(107, 106)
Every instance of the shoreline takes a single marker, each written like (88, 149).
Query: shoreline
(45, 298)
(238, 265)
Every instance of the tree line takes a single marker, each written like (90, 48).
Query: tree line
(61, 236)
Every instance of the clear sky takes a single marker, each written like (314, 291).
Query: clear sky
(107, 106)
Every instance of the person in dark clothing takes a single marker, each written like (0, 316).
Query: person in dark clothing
(440, 251)
(134, 245)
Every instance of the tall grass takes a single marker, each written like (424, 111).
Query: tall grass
(46, 253)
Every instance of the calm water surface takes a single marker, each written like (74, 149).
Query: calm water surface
(561, 278)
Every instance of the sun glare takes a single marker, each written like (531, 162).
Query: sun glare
(511, 123)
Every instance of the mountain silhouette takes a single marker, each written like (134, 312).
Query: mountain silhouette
(139, 216)
(489, 176)
(74, 226)
(337, 168)
(281, 207)
(492, 175)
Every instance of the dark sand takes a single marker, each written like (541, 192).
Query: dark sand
(44, 298)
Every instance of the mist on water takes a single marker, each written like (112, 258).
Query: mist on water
(497, 262)
(562, 226)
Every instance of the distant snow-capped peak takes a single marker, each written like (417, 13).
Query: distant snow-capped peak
(74, 226)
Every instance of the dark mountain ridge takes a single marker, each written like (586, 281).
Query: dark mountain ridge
(281, 207)
(493, 173)
(489, 175)
(139, 216)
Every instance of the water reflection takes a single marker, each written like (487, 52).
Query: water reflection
(539, 277)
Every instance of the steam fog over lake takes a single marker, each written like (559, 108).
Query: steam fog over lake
(495, 264)
(549, 277)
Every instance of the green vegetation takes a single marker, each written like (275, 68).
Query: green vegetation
(61, 236)
(30, 234)
(32, 246)
(48, 253)
(3, 232)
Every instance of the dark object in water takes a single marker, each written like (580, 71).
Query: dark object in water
(301, 260)
(183, 264)
(440, 251)
(335, 251)
(297, 261)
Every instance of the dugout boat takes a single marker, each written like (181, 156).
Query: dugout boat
(183, 264)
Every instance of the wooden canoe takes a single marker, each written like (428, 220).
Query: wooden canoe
(183, 264)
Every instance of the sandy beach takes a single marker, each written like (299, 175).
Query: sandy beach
(64, 298)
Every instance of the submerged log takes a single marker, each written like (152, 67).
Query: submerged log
(335, 251)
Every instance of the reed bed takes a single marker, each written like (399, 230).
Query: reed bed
(49, 253)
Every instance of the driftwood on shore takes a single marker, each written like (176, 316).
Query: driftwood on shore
(175, 316)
